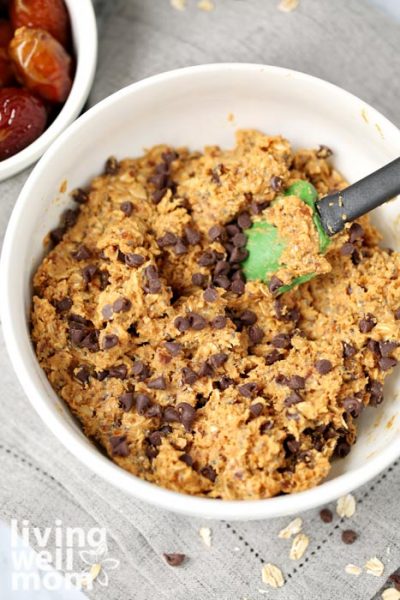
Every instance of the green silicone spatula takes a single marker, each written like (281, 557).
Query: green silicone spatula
(329, 214)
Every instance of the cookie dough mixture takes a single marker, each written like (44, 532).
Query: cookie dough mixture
(185, 374)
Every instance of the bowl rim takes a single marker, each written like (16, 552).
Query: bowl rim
(78, 445)
(81, 85)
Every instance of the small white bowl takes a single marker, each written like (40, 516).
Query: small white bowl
(197, 106)
(84, 35)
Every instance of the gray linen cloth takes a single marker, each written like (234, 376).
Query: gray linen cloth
(351, 44)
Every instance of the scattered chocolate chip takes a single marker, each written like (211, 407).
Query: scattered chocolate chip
(356, 232)
(209, 473)
(397, 314)
(276, 183)
(142, 402)
(109, 341)
(80, 196)
(82, 253)
(170, 414)
(107, 311)
(248, 317)
(386, 363)
(158, 195)
(119, 445)
(174, 559)
(173, 348)
(217, 360)
(168, 239)
(323, 366)
(104, 279)
(244, 220)
(134, 260)
(352, 406)
(222, 281)
(111, 166)
(206, 370)
(127, 208)
(296, 382)
(237, 287)
(118, 371)
(126, 401)
(395, 579)
(239, 240)
(56, 235)
(196, 321)
(255, 333)
(169, 156)
(187, 459)
(355, 257)
(267, 426)
(224, 383)
(256, 409)
(102, 375)
(207, 259)
(274, 284)
(122, 305)
(222, 268)
(155, 410)
(189, 376)
(69, 218)
(216, 232)
(153, 286)
(375, 389)
(347, 249)
(219, 322)
(88, 273)
(281, 340)
(238, 255)
(187, 415)
(182, 324)
(158, 383)
(342, 448)
(387, 347)
(293, 398)
(210, 294)
(367, 323)
(192, 235)
(348, 350)
(155, 438)
(159, 180)
(151, 452)
(248, 390)
(83, 375)
(273, 357)
(349, 536)
(180, 248)
(291, 445)
(63, 305)
(199, 279)
(326, 515)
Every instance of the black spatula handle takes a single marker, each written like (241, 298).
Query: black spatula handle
(358, 199)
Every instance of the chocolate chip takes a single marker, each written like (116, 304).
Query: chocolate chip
(180, 248)
(111, 166)
(323, 151)
(82, 253)
(207, 259)
(196, 321)
(237, 287)
(134, 260)
(182, 324)
(323, 366)
(367, 323)
(274, 284)
(80, 196)
(353, 406)
(83, 375)
(244, 220)
(224, 383)
(187, 459)
(356, 258)
(342, 448)
(122, 305)
(375, 389)
(395, 579)
(107, 311)
(248, 390)
(192, 235)
(56, 235)
(118, 371)
(126, 401)
(151, 452)
(88, 273)
(173, 348)
(155, 438)
(63, 304)
(238, 255)
(282, 340)
(209, 473)
(69, 218)
(206, 370)
(159, 180)
(347, 249)
(273, 357)
(256, 409)
(267, 426)
(217, 360)
(356, 232)
(102, 375)
(255, 333)
(291, 445)
(127, 208)
(104, 279)
(187, 415)
(210, 294)
(155, 410)
(158, 195)
(90, 340)
(199, 279)
(293, 398)
(222, 281)
(169, 156)
(373, 346)
(153, 286)
(222, 268)
(326, 515)
(349, 536)
(119, 445)
(189, 376)
(168, 239)
(248, 317)
(387, 347)
(239, 240)
(174, 559)
(348, 350)
(109, 341)
(158, 383)
(142, 403)
(386, 363)
(216, 232)
(296, 382)
(276, 183)
(170, 414)
(397, 314)
(219, 322)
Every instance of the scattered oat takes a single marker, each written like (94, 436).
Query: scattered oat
(272, 575)
(206, 5)
(353, 570)
(299, 546)
(391, 594)
(365, 115)
(205, 534)
(374, 567)
(293, 528)
(379, 130)
(346, 506)
(178, 4)
(288, 5)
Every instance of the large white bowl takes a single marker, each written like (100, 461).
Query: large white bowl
(84, 36)
(191, 106)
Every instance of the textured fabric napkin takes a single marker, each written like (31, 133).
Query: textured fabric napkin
(349, 43)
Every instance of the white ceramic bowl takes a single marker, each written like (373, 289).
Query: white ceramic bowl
(84, 35)
(191, 106)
